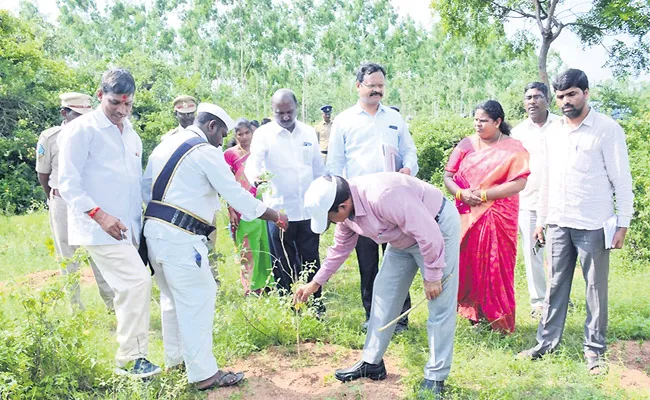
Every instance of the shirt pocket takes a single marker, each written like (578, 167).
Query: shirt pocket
(307, 154)
(583, 160)
(390, 136)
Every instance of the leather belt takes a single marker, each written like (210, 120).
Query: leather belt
(442, 207)
(323, 151)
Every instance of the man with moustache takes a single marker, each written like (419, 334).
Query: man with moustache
(287, 149)
(184, 111)
(531, 134)
(586, 166)
(100, 162)
(359, 140)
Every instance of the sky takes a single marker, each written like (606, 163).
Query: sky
(590, 60)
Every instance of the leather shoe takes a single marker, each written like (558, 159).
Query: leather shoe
(400, 328)
(431, 390)
(530, 354)
(362, 369)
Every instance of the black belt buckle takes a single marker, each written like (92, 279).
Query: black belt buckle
(442, 207)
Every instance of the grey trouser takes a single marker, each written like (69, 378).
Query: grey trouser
(564, 246)
(391, 287)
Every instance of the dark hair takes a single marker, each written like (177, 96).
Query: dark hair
(342, 191)
(539, 86)
(571, 78)
(242, 123)
(255, 123)
(266, 121)
(367, 69)
(118, 81)
(231, 143)
(493, 109)
(205, 117)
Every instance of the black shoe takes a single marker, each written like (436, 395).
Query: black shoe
(364, 327)
(400, 328)
(362, 369)
(530, 354)
(431, 390)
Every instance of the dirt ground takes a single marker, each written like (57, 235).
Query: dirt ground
(635, 358)
(278, 373)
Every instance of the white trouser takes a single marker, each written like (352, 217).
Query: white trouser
(187, 295)
(59, 224)
(534, 262)
(130, 280)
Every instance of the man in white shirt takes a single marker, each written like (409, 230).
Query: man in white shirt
(531, 134)
(73, 105)
(187, 184)
(100, 170)
(586, 167)
(359, 140)
(287, 149)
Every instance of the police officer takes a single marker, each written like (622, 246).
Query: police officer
(184, 111)
(73, 105)
(323, 130)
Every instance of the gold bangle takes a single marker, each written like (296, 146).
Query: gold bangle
(484, 195)
(459, 192)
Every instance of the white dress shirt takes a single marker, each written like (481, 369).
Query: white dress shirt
(99, 166)
(584, 169)
(292, 158)
(199, 178)
(531, 136)
(357, 140)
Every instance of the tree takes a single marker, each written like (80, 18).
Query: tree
(551, 17)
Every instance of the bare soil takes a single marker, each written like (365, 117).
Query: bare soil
(635, 358)
(278, 373)
(40, 278)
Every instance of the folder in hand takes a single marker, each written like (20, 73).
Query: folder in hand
(392, 159)
(609, 228)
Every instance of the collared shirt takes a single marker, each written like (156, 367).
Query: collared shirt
(292, 158)
(358, 139)
(323, 133)
(379, 213)
(47, 152)
(100, 167)
(584, 169)
(172, 133)
(198, 180)
(531, 136)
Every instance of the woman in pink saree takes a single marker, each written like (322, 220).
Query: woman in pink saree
(485, 173)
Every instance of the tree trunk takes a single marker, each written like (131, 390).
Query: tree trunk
(541, 60)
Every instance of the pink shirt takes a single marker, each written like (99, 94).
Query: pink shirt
(394, 208)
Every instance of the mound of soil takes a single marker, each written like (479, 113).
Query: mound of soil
(278, 373)
(635, 357)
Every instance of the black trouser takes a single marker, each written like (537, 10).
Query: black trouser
(368, 257)
(301, 245)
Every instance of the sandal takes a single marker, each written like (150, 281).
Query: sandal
(225, 380)
(596, 365)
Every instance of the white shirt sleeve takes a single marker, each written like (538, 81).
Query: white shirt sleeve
(146, 184)
(542, 199)
(73, 152)
(407, 150)
(336, 150)
(255, 162)
(211, 160)
(617, 164)
(317, 165)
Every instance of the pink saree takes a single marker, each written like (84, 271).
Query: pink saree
(488, 249)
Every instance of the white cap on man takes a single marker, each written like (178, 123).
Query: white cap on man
(217, 112)
(319, 198)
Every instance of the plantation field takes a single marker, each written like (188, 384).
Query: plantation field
(48, 352)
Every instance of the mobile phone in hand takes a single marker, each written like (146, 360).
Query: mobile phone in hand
(538, 246)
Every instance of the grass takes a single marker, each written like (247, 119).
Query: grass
(483, 366)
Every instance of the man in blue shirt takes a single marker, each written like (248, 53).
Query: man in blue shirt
(362, 141)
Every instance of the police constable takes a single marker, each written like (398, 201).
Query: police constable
(184, 111)
(72, 106)
(190, 172)
(323, 129)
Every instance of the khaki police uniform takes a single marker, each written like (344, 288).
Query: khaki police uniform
(47, 162)
(184, 104)
(323, 132)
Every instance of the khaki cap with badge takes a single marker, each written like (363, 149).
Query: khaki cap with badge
(185, 104)
(77, 102)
